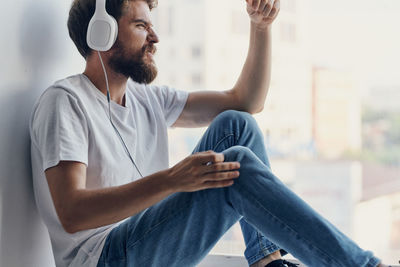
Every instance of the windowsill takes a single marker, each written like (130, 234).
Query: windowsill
(216, 260)
(223, 260)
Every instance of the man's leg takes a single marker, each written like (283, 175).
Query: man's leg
(180, 230)
(232, 128)
(176, 232)
(265, 202)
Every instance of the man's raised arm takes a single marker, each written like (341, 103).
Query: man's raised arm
(251, 89)
(254, 80)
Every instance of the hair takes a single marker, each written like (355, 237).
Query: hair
(82, 11)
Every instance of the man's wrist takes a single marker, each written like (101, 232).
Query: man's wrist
(167, 183)
(261, 28)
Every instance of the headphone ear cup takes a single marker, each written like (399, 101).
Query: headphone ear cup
(102, 32)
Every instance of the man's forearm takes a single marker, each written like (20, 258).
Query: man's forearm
(95, 208)
(253, 83)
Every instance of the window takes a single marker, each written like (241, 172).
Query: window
(197, 79)
(288, 32)
(196, 51)
(239, 22)
(170, 19)
(332, 132)
(289, 6)
(164, 20)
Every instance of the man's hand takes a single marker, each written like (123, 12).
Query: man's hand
(202, 171)
(263, 12)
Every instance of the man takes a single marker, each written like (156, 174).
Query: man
(86, 169)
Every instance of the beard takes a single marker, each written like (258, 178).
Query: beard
(133, 65)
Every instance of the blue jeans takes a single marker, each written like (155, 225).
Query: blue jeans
(181, 230)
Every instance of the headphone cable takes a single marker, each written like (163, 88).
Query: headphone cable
(110, 115)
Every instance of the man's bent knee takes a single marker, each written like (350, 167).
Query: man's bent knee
(243, 120)
(231, 114)
(238, 153)
(246, 157)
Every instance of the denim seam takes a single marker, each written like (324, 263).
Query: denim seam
(289, 228)
(262, 254)
(373, 262)
(260, 241)
(222, 139)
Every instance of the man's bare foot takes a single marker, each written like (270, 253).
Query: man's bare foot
(271, 257)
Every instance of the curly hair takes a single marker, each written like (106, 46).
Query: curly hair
(82, 11)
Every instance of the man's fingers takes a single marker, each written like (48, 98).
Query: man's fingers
(219, 176)
(212, 157)
(275, 9)
(255, 4)
(268, 7)
(223, 166)
(262, 5)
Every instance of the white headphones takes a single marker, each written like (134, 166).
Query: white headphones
(102, 30)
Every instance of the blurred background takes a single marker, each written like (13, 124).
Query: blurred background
(331, 121)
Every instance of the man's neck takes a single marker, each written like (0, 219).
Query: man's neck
(116, 81)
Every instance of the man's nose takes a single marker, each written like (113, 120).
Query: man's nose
(152, 36)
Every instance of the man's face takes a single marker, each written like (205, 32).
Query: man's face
(132, 54)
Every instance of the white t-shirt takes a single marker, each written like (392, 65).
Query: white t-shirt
(70, 122)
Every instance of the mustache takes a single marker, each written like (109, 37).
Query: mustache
(149, 48)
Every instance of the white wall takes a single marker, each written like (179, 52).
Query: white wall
(35, 51)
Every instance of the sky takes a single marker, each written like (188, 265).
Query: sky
(363, 36)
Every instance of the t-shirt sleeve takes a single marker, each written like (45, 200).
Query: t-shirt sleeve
(172, 102)
(59, 128)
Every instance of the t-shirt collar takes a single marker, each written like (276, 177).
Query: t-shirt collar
(103, 97)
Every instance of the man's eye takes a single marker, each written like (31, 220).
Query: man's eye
(141, 26)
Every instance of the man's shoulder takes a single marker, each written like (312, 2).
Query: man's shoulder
(61, 99)
(72, 84)
(73, 87)
(65, 92)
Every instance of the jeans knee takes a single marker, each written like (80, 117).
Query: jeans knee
(234, 115)
(250, 164)
(238, 153)
(242, 127)
(238, 120)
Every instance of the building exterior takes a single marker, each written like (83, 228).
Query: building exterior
(377, 216)
(336, 113)
(377, 98)
(286, 118)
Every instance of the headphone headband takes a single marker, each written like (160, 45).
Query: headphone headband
(100, 6)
